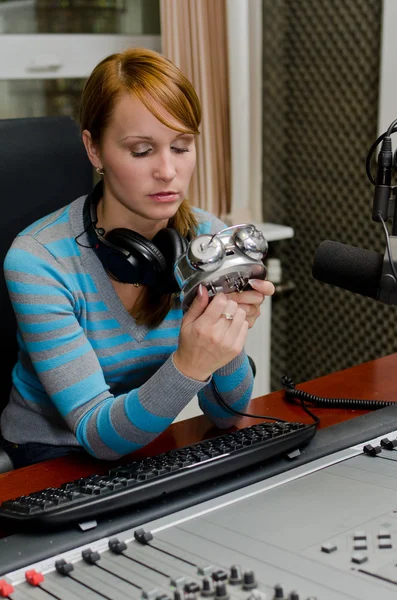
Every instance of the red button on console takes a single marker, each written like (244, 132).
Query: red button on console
(33, 577)
(5, 588)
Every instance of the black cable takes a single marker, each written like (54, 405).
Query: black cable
(238, 412)
(369, 158)
(263, 417)
(392, 129)
(286, 381)
(291, 393)
(80, 234)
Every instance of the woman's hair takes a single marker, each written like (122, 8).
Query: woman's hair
(155, 80)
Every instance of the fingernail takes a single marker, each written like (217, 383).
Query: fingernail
(253, 281)
(200, 290)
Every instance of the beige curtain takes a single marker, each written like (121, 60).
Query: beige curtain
(194, 37)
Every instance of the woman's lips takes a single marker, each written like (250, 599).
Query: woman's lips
(164, 196)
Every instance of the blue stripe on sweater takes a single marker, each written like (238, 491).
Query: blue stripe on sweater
(47, 327)
(42, 366)
(204, 226)
(64, 248)
(142, 418)
(51, 344)
(98, 306)
(69, 399)
(80, 282)
(117, 340)
(39, 309)
(227, 383)
(109, 435)
(156, 334)
(35, 288)
(102, 325)
(21, 261)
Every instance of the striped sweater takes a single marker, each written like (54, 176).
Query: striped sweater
(87, 374)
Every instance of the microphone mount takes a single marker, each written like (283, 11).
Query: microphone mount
(384, 208)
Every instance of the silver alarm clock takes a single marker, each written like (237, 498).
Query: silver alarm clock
(222, 262)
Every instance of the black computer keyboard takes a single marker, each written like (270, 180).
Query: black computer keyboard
(147, 479)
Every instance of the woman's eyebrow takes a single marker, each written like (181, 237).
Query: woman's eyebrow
(150, 139)
(139, 137)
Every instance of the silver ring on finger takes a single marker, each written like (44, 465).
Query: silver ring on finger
(228, 316)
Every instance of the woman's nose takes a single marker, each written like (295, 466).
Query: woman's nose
(165, 168)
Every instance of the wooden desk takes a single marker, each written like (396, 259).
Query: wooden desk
(374, 380)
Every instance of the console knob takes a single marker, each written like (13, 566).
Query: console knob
(207, 588)
(221, 591)
(293, 596)
(249, 581)
(178, 594)
(235, 575)
(389, 444)
(278, 591)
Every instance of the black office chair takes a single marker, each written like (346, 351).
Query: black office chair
(43, 166)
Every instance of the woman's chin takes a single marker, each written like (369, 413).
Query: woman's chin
(165, 210)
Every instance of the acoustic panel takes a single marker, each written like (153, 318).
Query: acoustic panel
(320, 109)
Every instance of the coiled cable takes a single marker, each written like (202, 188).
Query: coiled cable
(291, 393)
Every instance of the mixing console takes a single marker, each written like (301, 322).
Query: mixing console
(320, 527)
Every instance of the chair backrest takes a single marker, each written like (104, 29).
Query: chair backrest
(43, 166)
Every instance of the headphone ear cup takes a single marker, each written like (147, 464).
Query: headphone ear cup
(172, 245)
(132, 258)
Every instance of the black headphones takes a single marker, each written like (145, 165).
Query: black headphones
(131, 258)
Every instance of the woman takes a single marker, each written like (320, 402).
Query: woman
(106, 362)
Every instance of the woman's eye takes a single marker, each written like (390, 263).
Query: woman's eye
(180, 150)
(139, 154)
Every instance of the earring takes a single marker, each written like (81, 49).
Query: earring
(100, 171)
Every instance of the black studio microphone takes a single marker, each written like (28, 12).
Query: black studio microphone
(358, 270)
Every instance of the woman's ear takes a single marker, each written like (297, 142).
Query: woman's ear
(91, 149)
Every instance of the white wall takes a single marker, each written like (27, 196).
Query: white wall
(388, 67)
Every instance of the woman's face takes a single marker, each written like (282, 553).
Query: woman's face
(147, 167)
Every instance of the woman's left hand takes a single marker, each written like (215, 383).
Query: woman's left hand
(251, 300)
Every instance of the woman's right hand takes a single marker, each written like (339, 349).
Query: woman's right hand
(208, 340)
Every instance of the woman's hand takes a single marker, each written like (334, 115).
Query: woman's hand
(251, 300)
(212, 334)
